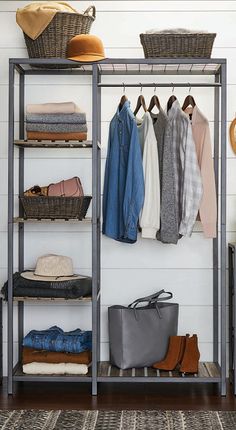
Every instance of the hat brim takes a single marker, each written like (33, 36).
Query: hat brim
(32, 277)
(84, 58)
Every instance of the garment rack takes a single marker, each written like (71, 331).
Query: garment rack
(209, 372)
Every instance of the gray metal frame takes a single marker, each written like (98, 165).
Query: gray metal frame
(232, 313)
(97, 70)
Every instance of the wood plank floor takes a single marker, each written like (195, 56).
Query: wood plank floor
(116, 396)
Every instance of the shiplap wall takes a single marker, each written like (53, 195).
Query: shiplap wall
(128, 271)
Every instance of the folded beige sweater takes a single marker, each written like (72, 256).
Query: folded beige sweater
(53, 108)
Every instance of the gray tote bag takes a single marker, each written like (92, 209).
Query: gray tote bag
(139, 335)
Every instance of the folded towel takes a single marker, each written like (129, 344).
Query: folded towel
(55, 368)
(70, 118)
(39, 135)
(30, 355)
(35, 17)
(53, 108)
(57, 128)
(174, 31)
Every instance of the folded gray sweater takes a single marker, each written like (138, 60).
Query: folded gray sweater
(57, 128)
(78, 118)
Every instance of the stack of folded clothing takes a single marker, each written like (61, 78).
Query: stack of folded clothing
(54, 351)
(24, 285)
(55, 121)
(52, 278)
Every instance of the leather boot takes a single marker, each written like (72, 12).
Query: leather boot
(189, 363)
(174, 354)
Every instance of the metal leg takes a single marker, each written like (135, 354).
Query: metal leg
(1, 355)
(21, 212)
(216, 240)
(233, 316)
(95, 250)
(10, 224)
(231, 326)
(99, 223)
(223, 230)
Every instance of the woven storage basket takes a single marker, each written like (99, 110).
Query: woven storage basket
(42, 207)
(175, 45)
(52, 42)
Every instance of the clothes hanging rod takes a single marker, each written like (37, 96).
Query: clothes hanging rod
(163, 85)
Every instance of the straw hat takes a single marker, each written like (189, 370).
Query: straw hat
(85, 48)
(52, 268)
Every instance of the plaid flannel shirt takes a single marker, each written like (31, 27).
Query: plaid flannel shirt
(188, 182)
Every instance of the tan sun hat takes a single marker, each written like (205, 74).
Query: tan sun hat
(51, 268)
(85, 48)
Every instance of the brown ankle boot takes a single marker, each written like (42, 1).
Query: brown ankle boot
(189, 363)
(174, 354)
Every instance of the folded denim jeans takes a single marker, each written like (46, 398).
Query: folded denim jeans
(55, 339)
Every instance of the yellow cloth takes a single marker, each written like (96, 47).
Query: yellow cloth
(35, 17)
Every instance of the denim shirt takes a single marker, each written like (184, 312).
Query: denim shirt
(123, 193)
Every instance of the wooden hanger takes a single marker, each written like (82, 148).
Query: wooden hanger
(232, 135)
(154, 102)
(189, 101)
(171, 99)
(170, 102)
(140, 103)
(123, 99)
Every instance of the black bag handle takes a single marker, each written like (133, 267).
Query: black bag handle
(152, 299)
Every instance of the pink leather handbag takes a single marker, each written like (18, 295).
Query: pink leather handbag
(69, 188)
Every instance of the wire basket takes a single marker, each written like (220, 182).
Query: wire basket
(52, 42)
(175, 45)
(51, 207)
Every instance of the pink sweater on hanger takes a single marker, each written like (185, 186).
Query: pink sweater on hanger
(202, 139)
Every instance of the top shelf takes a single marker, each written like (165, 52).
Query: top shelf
(125, 66)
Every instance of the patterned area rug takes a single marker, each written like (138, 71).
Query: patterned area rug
(117, 420)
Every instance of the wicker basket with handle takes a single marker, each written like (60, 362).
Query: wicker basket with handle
(52, 42)
(174, 45)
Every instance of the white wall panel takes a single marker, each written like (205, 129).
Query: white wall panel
(122, 286)
(144, 20)
(139, 5)
(194, 252)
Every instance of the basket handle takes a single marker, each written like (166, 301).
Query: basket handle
(88, 10)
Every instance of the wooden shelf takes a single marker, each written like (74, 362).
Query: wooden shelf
(51, 299)
(56, 220)
(53, 144)
(208, 372)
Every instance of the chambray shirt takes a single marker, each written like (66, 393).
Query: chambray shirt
(123, 193)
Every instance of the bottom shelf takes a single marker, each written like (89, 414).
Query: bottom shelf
(208, 372)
